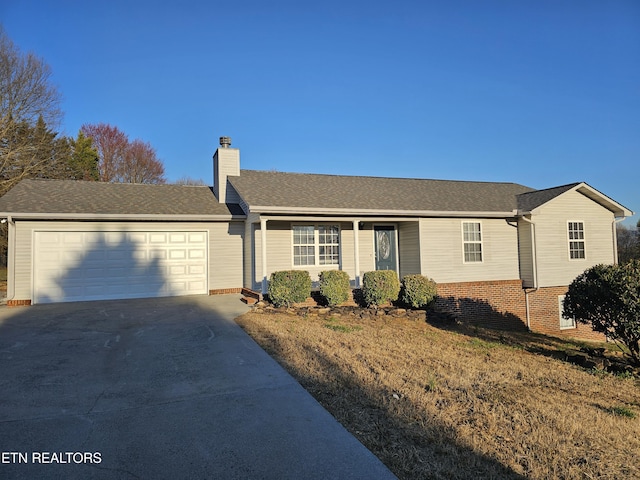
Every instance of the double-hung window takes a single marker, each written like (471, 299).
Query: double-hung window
(472, 241)
(565, 322)
(316, 245)
(576, 240)
(304, 245)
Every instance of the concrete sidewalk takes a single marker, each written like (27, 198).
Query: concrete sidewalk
(158, 388)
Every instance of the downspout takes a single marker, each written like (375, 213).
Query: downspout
(356, 252)
(11, 251)
(534, 256)
(263, 241)
(614, 226)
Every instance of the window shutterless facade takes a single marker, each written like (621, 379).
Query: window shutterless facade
(316, 245)
(472, 242)
(576, 240)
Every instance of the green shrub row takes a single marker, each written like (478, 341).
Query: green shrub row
(379, 287)
(382, 286)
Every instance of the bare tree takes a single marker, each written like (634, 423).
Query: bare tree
(186, 180)
(140, 165)
(29, 110)
(111, 144)
(628, 243)
(122, 160)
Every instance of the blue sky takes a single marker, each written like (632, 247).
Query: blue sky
(541, 93)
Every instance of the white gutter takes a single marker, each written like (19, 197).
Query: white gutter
(263, 249)
(614, 224)
(356, 251)
(375, 212)
(127, 216)
(534, 257)
(11, 251)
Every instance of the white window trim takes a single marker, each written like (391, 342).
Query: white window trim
(584, 241)
(561, 318)
(316, 243)
(481, 242)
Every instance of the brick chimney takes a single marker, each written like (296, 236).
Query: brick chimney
(226, 162)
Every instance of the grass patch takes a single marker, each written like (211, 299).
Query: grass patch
(622, 411)
(437, 403)
(332, 324)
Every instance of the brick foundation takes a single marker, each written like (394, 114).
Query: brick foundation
(18, 303)
(544, 313)
(493, 304)
(225, 291)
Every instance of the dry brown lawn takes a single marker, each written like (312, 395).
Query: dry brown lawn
(441, 402)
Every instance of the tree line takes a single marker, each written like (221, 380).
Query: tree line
(31, 146)
(628, 242)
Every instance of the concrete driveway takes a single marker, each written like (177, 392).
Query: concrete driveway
(158, 388)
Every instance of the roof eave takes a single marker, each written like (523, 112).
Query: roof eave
(608, 203)
(259, 209)
(116, 216)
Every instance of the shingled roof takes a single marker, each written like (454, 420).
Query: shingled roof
(69, 197)
(262, 190)
(530, 200)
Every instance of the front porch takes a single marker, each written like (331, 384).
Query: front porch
(317, 243)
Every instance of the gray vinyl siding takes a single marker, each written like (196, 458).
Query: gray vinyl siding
(225, 255)
(225, 247)
(366, 248)
(226, 163)
(22, 265)
(250, 229)
(233, 197)
(409, 248)
(554, 266)
(525, 247)
(442, 252)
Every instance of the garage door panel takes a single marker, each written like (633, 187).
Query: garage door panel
(158, 238)
(196, 269)
(94, 265)
(177, 254)
(196, 254)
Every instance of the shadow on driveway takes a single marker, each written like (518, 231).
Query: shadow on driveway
(158, 388)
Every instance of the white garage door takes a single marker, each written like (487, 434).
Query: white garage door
(91, 265)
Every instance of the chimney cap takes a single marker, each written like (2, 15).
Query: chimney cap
(225, 142)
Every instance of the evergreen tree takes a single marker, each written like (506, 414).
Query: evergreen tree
(83, 160)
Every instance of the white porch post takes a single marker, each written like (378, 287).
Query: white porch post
(263, 248)
(356, 251)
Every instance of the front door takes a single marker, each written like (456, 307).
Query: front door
(385, 245)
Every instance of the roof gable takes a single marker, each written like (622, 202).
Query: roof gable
(530, 201)
(276, 191)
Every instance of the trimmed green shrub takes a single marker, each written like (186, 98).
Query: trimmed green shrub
(607, 297)
(288, 287)
(418, 291)
(334, 286)
(380, 287)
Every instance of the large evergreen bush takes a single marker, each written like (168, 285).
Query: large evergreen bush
(334, 286)
(380, 287)
(608, 298)
(288, 287)
(418, 291)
